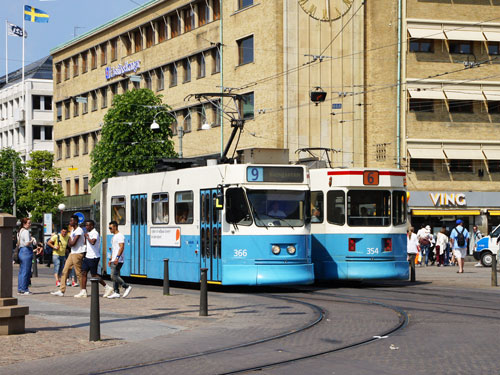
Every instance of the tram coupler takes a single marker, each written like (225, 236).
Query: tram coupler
(203, 293)
(95, 320)
(166, 281)
(494, 270)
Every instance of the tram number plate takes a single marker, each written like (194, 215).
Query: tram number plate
(240, 253)
(372, 250)
(370, 177)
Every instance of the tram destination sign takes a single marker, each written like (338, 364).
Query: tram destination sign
(275, 174)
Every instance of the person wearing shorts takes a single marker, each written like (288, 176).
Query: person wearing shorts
(91, 260)
(459, 251)
(58, 243)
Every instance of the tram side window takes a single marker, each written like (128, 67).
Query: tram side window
(369, 208)
(184, 207)
(335, 200)
(398, 207)
(159, 208)
(317, 210)
(237, 211)
(118, 210)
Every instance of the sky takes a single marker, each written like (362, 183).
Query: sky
(65, 16)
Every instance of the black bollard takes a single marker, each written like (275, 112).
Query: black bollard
(35, 266)
(166, 281)
(203, 293)
(494, 270)
(95, 320)
(412, 269)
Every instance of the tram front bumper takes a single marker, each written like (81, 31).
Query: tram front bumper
(268, 274)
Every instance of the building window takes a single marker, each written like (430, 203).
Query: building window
(148, 83)
(461, 106)
(160, 79)
(174, 26)
(94, 140)
(104, 97)
(114, 49)
(75, 66)
(36, 101)
(184, 207)
(85, 140)
(68, 148)
(85, 185)
(493, 48)
(245, 50)
(216, 9)
(127, 44)
(114, 90)
(93, 59)
(188, 19)
(159, 208)
(48, 133)
(173, 125)
(460, 165)
(138, 40)
(118, 205)
(217, 113)
(421, 165)
(173, 75)
(94, 101)
(58, 73)
(494, 107)
(421, 105)
(66, 109)
(48, 102)
(244, 3)
(104, 54)
(76, 107)
(85, 104)
(187, 70)
(59, 150)
(66, 70)
(418, 45)
(125, 85)
(216, 60)
(187, 121)
(76, 142)
(77, 186)
(37, 132)
(59, 111)
(68, 187)
(162, 30)
(247, 106)
(494, 166)
(460, 47)
(150, 40)
(201, 65)
(84, 62)
(203, 14)
(137, 84)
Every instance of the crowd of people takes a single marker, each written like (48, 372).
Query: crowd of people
(443, 248)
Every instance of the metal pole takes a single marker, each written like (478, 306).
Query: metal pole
(494, 270)
(14, 205)
(203, 293)
(412, 269)
(181, 134)
(95, 320)
(35, 266)
(166, 281)
(60, 221)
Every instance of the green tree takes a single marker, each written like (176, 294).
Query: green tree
(127, 142)
(39, 193)
(8, 157)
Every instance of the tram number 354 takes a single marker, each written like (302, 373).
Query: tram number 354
(240, 252)
(372, 250)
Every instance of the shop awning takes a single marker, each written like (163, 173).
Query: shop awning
(426, 153)
(494, 212)
(492, 154)
(464, 35)
(492, 36)
(463, 154)
(492, 95)
(418, 33)
(458, 94)
(423, 93)
(446, 212)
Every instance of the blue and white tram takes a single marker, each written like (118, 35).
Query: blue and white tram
(358, 224)
(258, 235)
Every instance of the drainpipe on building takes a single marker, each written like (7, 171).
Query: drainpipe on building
(398, 120)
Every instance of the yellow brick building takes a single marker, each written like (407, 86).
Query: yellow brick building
(410, 84)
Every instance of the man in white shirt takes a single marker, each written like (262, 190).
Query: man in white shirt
(91, 260)
(275, 211)
(77, 244)
(116, 261)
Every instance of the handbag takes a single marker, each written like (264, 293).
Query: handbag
(15, 254)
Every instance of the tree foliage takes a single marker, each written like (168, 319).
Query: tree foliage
(7, 157)
(38, 192)
(127, 142)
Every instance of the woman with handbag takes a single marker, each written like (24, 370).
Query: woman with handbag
(26, 243)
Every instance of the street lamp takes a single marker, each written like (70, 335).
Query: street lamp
(61, 208)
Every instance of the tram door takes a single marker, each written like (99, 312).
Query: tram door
(138, 238)
(210, 234)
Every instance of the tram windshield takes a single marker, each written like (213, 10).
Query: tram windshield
(277, 207)
(369, 208)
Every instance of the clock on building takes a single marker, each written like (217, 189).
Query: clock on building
(325, 10)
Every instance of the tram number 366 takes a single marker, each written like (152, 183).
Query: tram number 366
(372, 250)
(240, 252)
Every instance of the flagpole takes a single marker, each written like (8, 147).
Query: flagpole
(6, 51)
(24, 95)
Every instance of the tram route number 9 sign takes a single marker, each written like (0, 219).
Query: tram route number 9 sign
(165, 237)
(275, 174)
(370, 177)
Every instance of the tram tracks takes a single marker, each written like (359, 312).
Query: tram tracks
(311, 300)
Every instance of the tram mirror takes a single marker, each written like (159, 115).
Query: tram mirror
(237, 211)
(219, 202)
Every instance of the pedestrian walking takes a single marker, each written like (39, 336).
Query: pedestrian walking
(75, 258)
(59, 243)
(411, 245)
(424, 237)
(459, 238)
(476, 236)
(116, 261)
(91, 260)
(26, 245)
(441, 245)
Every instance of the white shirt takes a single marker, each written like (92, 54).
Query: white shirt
(118, 238)
(442, 240)
(93, 251)
(412, 243)
(79, 246)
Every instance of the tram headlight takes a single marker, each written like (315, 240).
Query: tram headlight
(291, 249)
(276, 249)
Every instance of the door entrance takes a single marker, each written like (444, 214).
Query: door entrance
(138, 240)
(210, 235)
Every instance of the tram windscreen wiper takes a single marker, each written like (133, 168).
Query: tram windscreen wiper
(280, 219)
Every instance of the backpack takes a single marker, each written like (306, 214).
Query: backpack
(460, 237)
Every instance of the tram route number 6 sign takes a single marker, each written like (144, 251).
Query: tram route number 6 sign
(370, 177)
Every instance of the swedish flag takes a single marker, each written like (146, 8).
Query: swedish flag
(35, 15)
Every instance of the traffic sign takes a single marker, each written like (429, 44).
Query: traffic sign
(81, 217)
